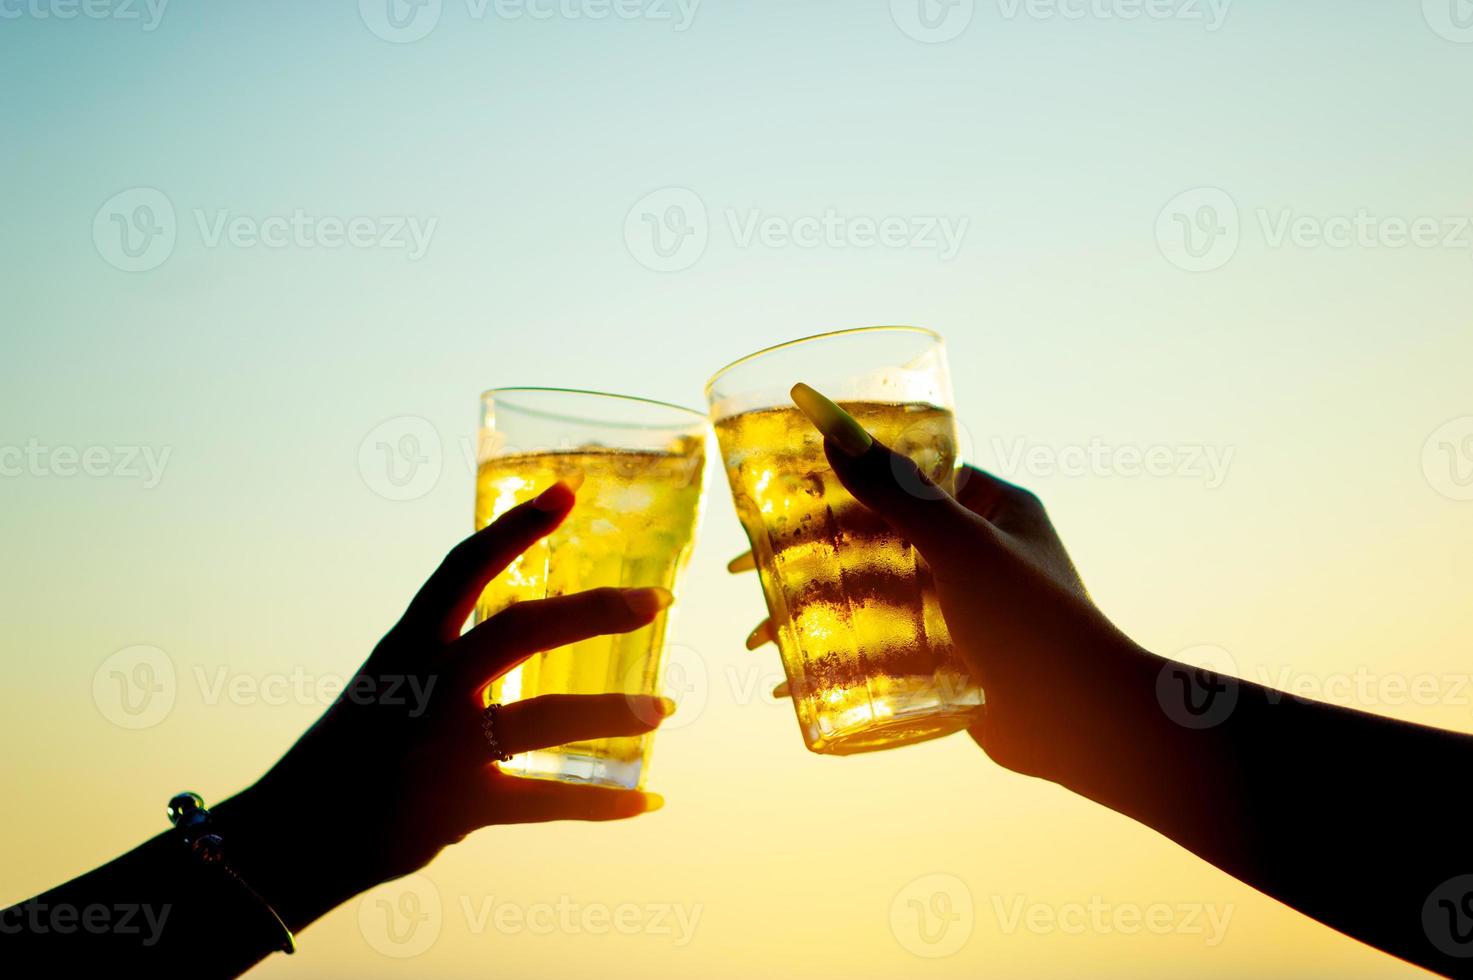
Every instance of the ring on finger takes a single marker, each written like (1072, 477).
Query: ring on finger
(488, 729)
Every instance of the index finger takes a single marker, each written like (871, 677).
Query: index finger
(448, 597)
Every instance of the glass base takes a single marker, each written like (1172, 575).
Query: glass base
(910, 711)
(574, 767)
(894, 734)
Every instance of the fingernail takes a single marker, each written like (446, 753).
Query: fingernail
(759, 635)
(665, 706)
(835, 423)
(574, 480)
(648, 602)
(557, 497)
(653, 802)
(742, 563)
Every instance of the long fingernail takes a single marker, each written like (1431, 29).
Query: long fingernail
(835, 423)
(665, 707)
(559, 496)
(744, 562)
(653, 802)
(648, 602)
(760, 635)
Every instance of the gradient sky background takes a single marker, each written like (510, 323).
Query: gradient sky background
(1340, 540)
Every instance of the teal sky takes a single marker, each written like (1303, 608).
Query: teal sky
(521, 147)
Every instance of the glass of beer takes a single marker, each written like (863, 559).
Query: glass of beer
(868, 658)
(633, 525)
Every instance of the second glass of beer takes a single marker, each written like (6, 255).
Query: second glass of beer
(633, 525)
(868, 658)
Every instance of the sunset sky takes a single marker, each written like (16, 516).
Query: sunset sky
(1204, 275)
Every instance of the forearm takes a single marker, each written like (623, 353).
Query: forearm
(1351, 818)
(157, 908)
(292, 853)
(149, 909)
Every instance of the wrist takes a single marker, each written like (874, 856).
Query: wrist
(296, 867)
(1083, 727)
(1128, 745)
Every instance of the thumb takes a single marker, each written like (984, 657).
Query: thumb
(893, 486)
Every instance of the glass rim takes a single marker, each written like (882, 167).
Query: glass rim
(897, 328)
(533, 389)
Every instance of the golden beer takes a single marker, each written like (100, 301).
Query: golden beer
(857, 620)
(633, 526)
(853, 608)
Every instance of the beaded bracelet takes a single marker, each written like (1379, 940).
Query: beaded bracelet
(192, 826)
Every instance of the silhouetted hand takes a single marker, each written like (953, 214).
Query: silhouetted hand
(395, 770)
(1015, 607)
(1013, 602)
(400, 759)
(1349, 817)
